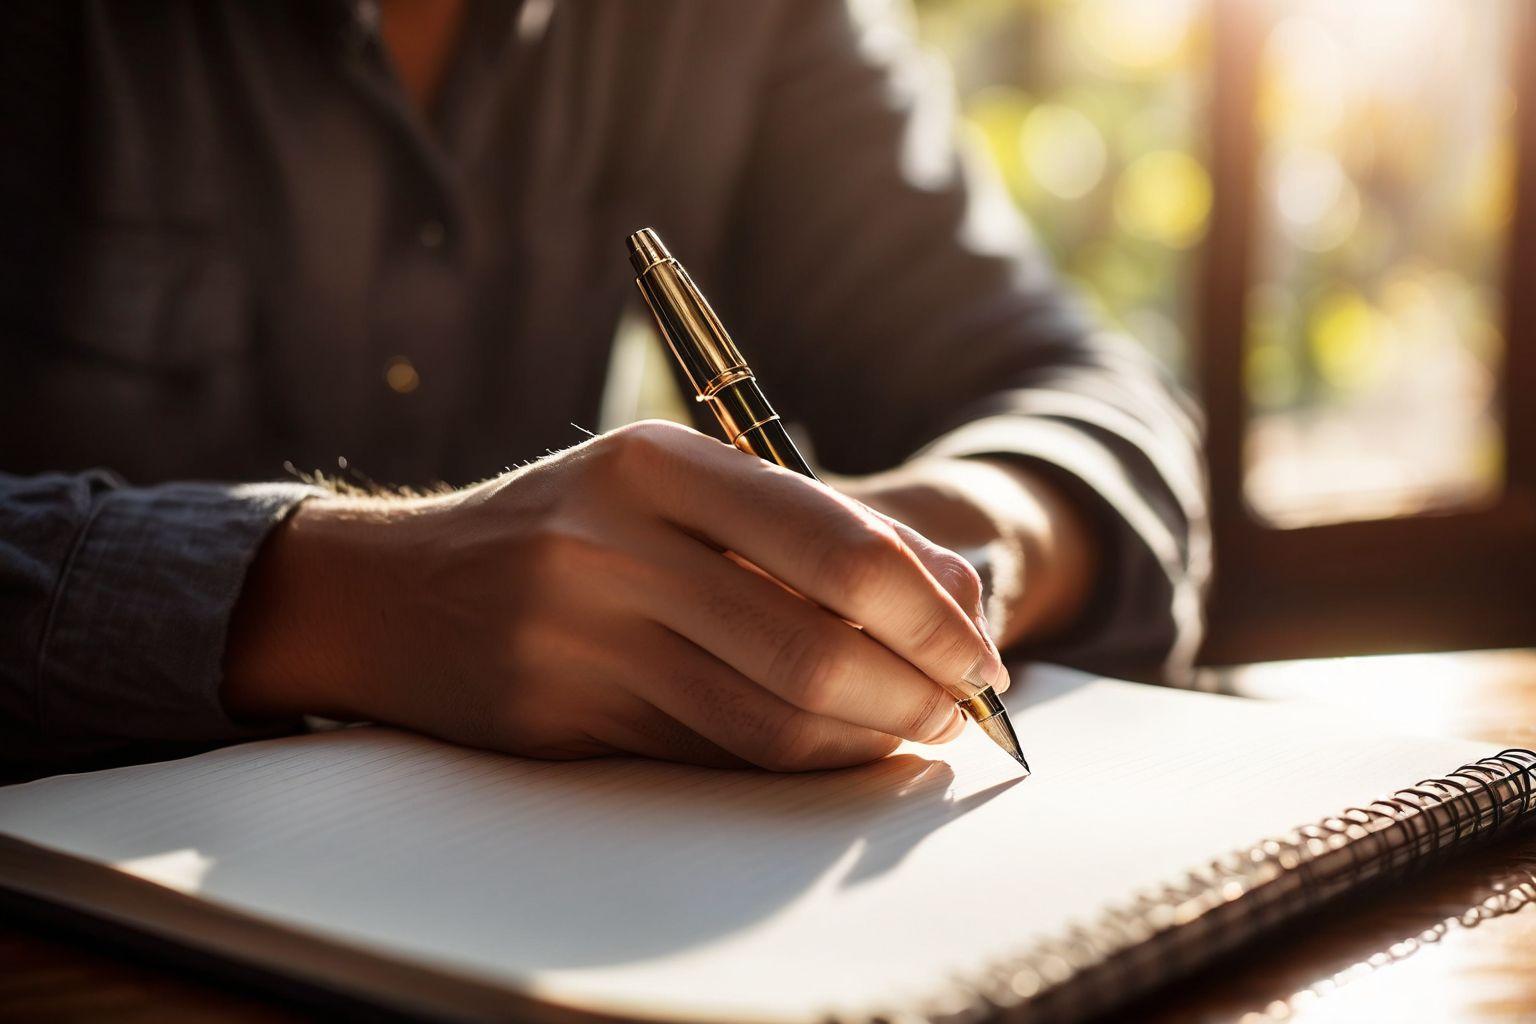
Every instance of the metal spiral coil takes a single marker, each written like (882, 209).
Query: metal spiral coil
(1165, 932)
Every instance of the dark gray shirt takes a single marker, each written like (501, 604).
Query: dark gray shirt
(224, 219)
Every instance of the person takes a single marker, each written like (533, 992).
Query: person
(249, 241)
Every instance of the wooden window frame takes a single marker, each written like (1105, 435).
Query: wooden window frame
(1426, 582)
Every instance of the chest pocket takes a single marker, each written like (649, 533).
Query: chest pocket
(152, 298)
(135, 352)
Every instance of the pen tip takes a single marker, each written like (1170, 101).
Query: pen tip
(1000, 729)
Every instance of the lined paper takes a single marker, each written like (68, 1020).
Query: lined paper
(676, 892)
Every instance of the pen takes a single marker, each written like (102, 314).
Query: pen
(722, 378)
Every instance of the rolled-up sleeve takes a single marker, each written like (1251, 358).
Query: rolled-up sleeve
(901, 307)
(114, 607)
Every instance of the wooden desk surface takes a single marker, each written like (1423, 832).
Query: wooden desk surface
(1454, 944)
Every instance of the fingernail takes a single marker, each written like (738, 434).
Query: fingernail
(987, 670)
(1000, 678)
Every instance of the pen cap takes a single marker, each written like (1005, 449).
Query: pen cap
(697, 337)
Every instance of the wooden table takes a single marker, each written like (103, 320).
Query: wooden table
(1455, 944)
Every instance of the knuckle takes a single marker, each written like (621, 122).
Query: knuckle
(701, 688)
(860, 568)
(652, 453)
(651, 438)
(813, 673)
(659, 731)
(960, 579)
(942, 644)
(642, 442)
(922, 719)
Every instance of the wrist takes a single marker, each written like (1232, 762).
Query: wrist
(301, 632)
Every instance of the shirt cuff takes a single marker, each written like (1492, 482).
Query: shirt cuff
(134, 646)
(1144, 618)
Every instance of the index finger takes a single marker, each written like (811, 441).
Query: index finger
(831, 549)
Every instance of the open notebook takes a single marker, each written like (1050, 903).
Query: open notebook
(453, 882)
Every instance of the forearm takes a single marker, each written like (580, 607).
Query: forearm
(1033, 542)
(115, 604)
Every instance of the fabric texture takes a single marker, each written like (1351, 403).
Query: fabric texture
(235, 250)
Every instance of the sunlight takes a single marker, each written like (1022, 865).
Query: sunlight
(1386, 183)
(1408, 693)
(183, 870)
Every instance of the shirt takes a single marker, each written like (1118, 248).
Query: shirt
(235, 252)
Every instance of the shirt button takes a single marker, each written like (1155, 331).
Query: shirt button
(363, 28)
(365, 14)
(432, 234)
(401, 375)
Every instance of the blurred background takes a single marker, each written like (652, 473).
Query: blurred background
(1374, 332)
(1306, 207)
(1321, 214)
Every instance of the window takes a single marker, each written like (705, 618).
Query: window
(1321, 213)
(1096, 111)
(1374, 330)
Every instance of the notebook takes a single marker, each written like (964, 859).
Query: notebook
(1160, 828)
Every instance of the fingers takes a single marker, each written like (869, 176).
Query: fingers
(798, 651)
(709, 698)
(957, 576)
(827, 547)
(650, 733)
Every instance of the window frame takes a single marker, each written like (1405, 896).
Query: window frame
(1434, 581)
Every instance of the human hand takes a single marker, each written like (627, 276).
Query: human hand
(1036, 542)
(650, 591)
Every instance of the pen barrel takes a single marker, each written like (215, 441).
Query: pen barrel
(751, 425)
(693, 332)
(704, 349)
(722, 378)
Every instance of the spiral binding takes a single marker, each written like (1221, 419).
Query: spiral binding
(1166, 932)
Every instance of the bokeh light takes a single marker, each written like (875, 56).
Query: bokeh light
(1164, 197)
(1385, 190)
(1137, 36)
(1095, 112)
(1062, 150)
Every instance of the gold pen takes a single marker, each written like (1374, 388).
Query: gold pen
(722, 378)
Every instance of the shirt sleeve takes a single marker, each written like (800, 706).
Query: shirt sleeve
(897, 302)
(114, 606)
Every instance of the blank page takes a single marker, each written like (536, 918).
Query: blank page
(676, 892)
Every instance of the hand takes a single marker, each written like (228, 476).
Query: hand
(651, 591)
(1040, 550)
